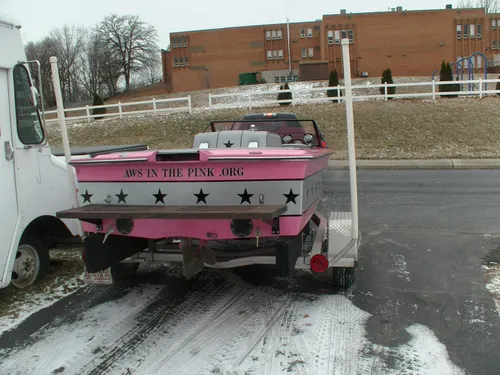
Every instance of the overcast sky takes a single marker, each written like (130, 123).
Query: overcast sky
(39, 17)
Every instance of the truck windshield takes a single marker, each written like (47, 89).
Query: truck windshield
(29, 127)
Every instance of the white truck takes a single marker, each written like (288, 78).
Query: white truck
(34, 182)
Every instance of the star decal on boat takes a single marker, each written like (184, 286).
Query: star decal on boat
(290, 197)
(121, 196)
(159, 197)
(201, 197)
(228, 144)
(86, 196)
(245, 197)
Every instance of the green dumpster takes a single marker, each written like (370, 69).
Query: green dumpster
(248, 79)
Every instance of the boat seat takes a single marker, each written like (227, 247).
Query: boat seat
(260, 139)
(237, 139)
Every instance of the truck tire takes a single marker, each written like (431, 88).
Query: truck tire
(344, 276)
(32, 262)
(123, 271)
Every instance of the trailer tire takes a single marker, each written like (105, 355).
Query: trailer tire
(32, 262)
(123, 271)
(344, 276)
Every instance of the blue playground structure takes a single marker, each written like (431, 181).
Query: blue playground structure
(459, 69)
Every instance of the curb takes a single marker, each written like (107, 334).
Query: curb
(418, 164)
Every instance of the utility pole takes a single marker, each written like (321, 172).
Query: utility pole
(289, 47)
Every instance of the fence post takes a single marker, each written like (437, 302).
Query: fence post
(433, 90)
(249, 101)
(189, 104)
(210, 101)
(385, 90)
(88, 113)
(338, 93)
(480, 88)
(120, 109)
(154, 106)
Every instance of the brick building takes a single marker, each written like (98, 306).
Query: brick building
(411, 43)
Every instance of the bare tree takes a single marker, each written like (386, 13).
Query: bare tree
(490, 6)
(129, 40)
(69, 42)
(42, 51)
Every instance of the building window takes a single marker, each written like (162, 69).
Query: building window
(309, 32)
(275, 55)
(174, 42)
(304, 52)
(268, 35)
(472, 31)
(280, 35)
(498, 44)
(269, 55)
(494, 45)
(311, 52)
(344, 34)
(479, 29)
(186, 61)
(176, 61)
(181, 61)
(280, 54)
(493, 24)
(330, 36)
(479, 61)
(337, 36)
(350, 34)
(459, 31)
(302, 33)
(466, 31)
(273, 34)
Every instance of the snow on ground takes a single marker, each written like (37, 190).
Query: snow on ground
(493, 282)
(33, 301)
(223, 326)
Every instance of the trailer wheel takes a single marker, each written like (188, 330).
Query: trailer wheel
(32, 262)
(124, 271)
(344, 276)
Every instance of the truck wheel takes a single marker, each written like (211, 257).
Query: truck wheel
(124, 271)
(343, 276)
(32, 262)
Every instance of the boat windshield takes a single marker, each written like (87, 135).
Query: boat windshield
(296, 129)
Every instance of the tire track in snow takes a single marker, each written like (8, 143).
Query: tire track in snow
(233, 320)
(22, 354)
(49, 352)
(117, 344)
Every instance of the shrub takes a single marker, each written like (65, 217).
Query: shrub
(98, 111)
(387, 77)
(333, 82)
(446, 74)
(285, 95)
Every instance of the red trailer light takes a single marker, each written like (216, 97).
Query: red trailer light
(323, 144)
(319, 263)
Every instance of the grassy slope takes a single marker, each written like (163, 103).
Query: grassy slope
(458, 128)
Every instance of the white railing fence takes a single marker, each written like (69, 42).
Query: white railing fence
(254, 99)
(154, 106)
(269, 98)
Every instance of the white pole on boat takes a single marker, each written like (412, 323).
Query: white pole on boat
(62, 123)
(350, 136)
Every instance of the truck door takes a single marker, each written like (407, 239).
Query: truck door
(9, 216)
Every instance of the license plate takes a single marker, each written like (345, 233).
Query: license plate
(101, 277)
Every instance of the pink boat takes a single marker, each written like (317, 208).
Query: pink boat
(247, 192)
